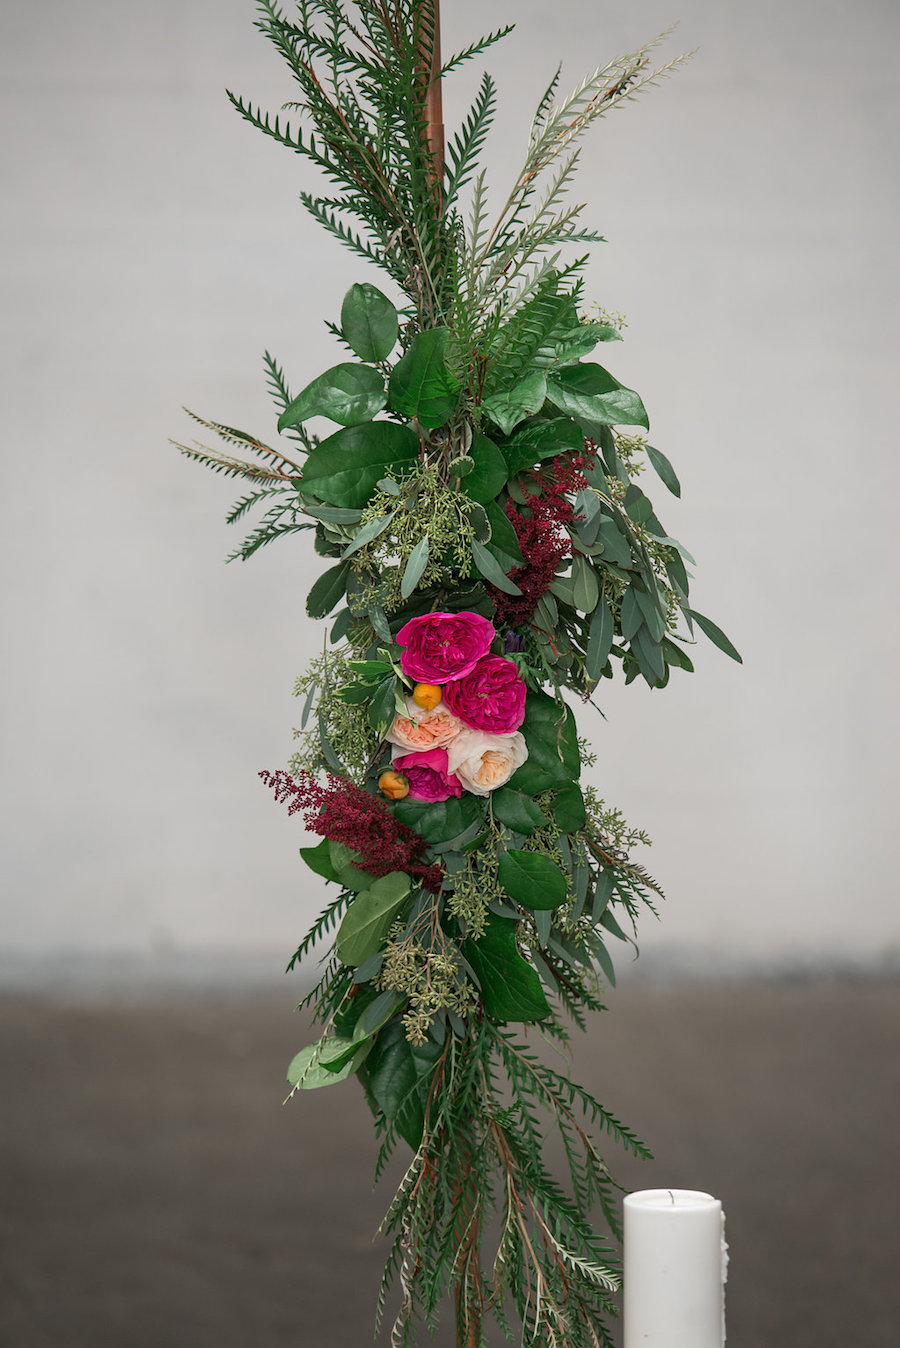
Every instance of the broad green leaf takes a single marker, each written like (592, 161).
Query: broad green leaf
(345, 468)
(367, 533)
(590, 393)
(653, 615)
(308, 1071)
(415, 567)
(632, 618)
(421, 386)
(715, 634)
(346, 865)
(600, 640)
(318, 859)
(490, 569)
(664, 470)
(328, 590)
(551, 737)
(370, 917)
(585, 585)
(517, 810)
(508, 408)
(479, 521)
(510, 986)
(348, 394)
(398, 1075)
(568, 808)
(369, 322)
(615, 546)
(502, 531)
(440, 821)
(370, 671)
(381, 708)
(490, 471)
(649, 654)
(531, 779)
(578, 342)
(542, 439)
(532, 878)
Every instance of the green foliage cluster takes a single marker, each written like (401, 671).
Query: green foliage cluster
(471, 402)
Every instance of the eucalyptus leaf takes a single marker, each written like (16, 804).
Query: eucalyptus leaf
(664, 470)
(715, 634)
(415, 567)
(600, 639)
(585, 585)
(490, 569)
(348, 394)
(367, 533)
(369, 322)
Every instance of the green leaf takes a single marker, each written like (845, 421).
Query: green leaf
(632, 618)
(502, 531)
(541, 440)
(615, 546)
(715, 634)
(328, 590)
(516, 810)
(398, 1076)
(370, 917)
(491, 570)
(421, 386)
(439, 821)
(318, 859)
(415, 567)
(490, 471)
(348, 394)
(369, 322)
(568, 808)
(600, 640)
(308, 1070)
(513, 405)
(531, 779)
(592, 394)
(346, 864)
(551, 737)
(585, 585)
(381, 708)
(345, 467)
(532, 878)
(367, 533)
(510, 987)
(664, 470)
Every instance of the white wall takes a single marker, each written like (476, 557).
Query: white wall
(153, 246)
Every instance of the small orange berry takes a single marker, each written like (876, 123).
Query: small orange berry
(427, 696)
(393, 785)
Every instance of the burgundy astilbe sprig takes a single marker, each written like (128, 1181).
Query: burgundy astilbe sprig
(346, 813)
(541, 533)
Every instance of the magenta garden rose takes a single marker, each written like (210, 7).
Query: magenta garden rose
(491, 697)
(442, 646)
(428, 775)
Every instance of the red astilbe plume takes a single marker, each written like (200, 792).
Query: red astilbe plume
(542, 535)
(346, 813)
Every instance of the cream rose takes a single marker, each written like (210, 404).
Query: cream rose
(482, 762)
(420, 730)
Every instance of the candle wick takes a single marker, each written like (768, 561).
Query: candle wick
(672, 1196)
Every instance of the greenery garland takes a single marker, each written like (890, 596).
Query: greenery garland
(488, 547)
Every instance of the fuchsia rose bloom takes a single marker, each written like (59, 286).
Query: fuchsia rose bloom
(442, 646)
(428, 776)
(491, 697)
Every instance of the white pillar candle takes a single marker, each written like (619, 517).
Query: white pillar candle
(675, 1261)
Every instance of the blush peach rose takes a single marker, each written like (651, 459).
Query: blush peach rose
(420, 730)
(482, 762)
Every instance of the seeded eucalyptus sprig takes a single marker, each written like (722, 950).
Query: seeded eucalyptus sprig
(486, 545)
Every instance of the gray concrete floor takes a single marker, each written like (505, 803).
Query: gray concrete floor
(154, 1193)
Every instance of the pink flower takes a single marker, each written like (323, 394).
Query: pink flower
(483, 762)
(428, 776)
(442, 646)
(491, 697)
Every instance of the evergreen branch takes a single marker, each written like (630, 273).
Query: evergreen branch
(323, 924)
(466, 146)
(476, 48)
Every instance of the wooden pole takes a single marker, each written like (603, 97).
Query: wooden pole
(434, 110)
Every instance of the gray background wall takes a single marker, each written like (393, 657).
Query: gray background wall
(152, 245)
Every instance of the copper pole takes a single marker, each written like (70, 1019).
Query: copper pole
(434, 111)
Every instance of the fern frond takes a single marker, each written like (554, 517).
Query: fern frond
(223, 463)
(476, 48)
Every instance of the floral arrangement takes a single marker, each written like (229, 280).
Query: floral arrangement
(488, 548)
